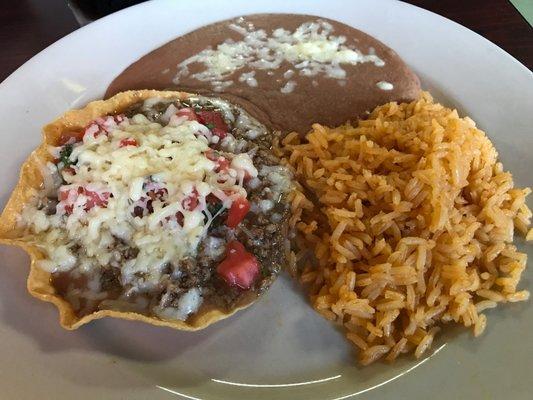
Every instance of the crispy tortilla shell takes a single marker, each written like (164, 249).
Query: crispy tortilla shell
(30, 181)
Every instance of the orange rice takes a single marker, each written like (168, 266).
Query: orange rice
(404, 223)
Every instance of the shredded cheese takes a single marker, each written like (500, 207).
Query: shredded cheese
(141, 196)
(384, 85)
(311, 50)
(167, 170)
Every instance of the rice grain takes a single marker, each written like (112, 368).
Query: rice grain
(405, 223)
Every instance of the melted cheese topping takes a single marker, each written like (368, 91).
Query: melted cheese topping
(384, 85)
(311, 50)
(131, 183)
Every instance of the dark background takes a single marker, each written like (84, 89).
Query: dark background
(28, 26)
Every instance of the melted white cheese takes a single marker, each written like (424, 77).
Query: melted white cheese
(187, 304)
(169, 160)
(249, 78)
(311, 49)
(383, 85)
(289, 87)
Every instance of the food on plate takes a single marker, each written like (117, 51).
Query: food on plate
(288, 71)
(164, 207)
(176, 210)
(405, 223)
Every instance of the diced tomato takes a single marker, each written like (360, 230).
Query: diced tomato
(220, 133)
(212, 199)
(93, 129)
(69, 170)
(138, 211)
(222, 163)
(180, 218)
(238, 210)
(239, 268)
(109, 121)
(154, 191)
(191, 201)
(157, 194)
(187, 112)
(63, 194)
(247, 176)
(215, 121)
(103, 125)
(119, 118)
(128, 142)
(94, 199)
(66, 137)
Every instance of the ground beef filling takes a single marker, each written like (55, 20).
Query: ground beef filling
(263, 232)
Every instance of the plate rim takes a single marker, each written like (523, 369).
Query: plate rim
(12, 78)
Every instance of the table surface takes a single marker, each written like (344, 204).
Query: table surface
(28, 26)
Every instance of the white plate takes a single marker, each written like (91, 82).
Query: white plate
(278, 348)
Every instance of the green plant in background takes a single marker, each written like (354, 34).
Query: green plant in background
(525, 7)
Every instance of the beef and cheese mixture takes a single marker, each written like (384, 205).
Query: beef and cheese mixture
(164, 209)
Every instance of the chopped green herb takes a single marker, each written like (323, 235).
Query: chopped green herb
(210, 126)
(64, 155)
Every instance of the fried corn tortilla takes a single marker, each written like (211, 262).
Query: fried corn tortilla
(235, 257)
